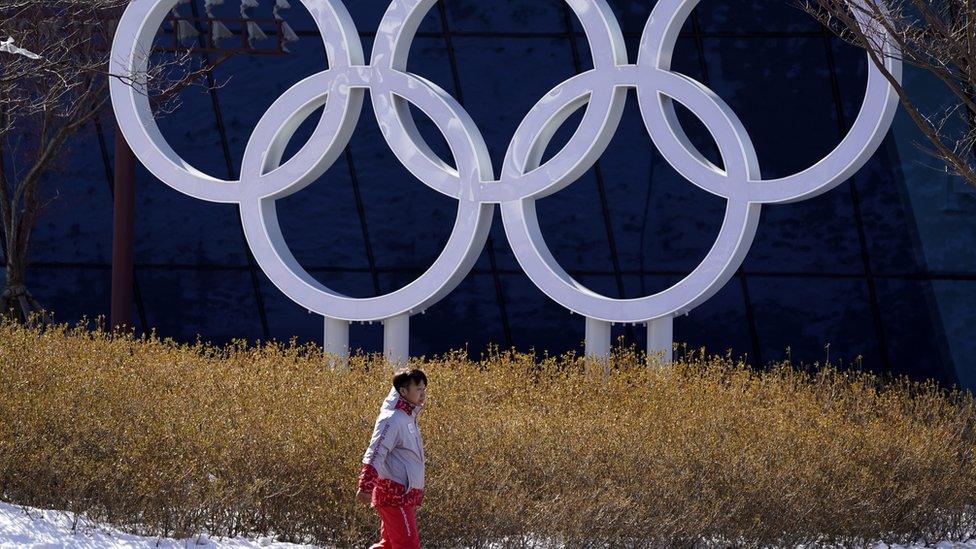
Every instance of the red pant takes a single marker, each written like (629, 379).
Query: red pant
(398, 528)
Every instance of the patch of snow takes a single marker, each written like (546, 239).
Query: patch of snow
(9, 47)
(48, 529)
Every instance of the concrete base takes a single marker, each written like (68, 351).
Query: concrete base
(336, 339)
(597, 338)
(396, 339)
(660, 336)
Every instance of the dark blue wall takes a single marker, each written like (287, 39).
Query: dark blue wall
(845, 268)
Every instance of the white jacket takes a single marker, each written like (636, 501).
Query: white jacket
(396, 448)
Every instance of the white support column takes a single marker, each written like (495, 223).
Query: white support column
(336, 340)
(396, 338)
(660, 336)
(597, 337)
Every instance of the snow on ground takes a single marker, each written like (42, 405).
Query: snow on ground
(49, 529)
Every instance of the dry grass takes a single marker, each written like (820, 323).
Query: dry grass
(172, 439)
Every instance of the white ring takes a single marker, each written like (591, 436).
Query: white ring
(470, 179)
(260, 219)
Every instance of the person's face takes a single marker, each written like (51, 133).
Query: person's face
(415, 393)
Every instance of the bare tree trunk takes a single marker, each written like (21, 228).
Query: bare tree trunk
(16, 298)
(17, 301)
(18, 215)
(49, 94)
(9, 305)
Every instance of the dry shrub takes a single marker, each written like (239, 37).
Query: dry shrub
(172, 439)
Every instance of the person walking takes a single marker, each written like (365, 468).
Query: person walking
(392, 477)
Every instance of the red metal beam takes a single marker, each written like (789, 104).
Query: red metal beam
(122, 229)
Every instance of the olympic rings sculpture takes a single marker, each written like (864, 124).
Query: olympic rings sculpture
(471, 179)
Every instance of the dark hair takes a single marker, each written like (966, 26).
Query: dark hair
(405, 376)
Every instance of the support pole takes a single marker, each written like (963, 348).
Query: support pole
(336, 337)
(122, 228)
(597, 337)
(660, 336)
(396, 338)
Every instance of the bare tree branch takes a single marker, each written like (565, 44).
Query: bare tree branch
(937, 36)
(54, 80)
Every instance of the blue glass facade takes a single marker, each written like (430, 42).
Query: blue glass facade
(878, 268)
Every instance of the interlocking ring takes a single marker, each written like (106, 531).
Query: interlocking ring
(470, 180)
